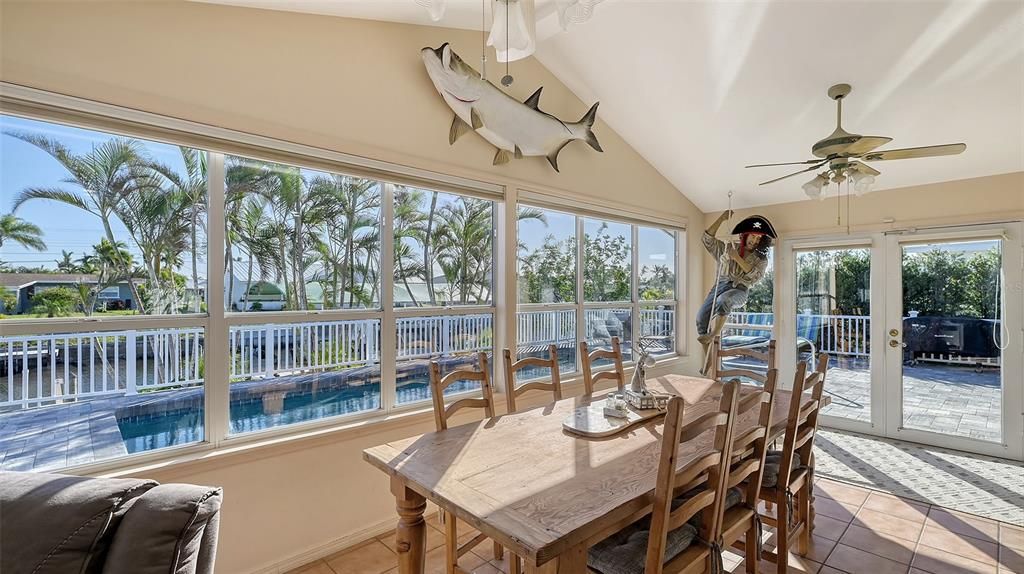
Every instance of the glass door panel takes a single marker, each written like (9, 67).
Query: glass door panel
(833, 316)
(951, 377)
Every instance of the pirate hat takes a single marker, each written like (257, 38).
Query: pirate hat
(755, 224)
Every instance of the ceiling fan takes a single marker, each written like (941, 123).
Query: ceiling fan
(845, 154)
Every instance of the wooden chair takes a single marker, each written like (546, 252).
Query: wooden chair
(789, 474)
(453, 550)
(719, 374)
(741, 524)
(617, 374)
(675, 543)
(511, 367)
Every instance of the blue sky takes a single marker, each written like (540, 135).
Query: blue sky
(24, 165)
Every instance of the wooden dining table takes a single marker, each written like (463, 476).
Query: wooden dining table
(538, 490)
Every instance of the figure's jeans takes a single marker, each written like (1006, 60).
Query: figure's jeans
(730, 296)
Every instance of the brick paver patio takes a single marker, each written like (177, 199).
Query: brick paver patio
(937, 397)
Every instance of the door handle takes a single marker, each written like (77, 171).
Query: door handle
(895, 343)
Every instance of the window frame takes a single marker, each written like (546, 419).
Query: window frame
(41, 105)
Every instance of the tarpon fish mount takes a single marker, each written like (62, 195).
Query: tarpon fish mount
(516, 128)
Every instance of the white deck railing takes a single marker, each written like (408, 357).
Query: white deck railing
(36, 369)
(261, 351)
(846, 335)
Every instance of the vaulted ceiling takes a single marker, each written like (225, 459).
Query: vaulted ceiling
(701, 89)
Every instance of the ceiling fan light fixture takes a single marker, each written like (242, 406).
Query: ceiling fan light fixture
(514, 30)
(813, 188)
(862, 182)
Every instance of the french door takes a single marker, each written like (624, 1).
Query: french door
(923, 330)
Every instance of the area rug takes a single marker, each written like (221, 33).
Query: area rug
(979, 485)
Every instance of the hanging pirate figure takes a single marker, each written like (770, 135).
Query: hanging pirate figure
(739, 266)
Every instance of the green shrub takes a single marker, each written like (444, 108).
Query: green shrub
(56, 302)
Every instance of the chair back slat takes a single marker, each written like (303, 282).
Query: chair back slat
(710, 474)
(511, 367)
(717, 373)
(438, 384)
(749, 444)
(617, 374)
(802, 419)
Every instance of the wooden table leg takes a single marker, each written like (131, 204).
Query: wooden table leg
(411, 533)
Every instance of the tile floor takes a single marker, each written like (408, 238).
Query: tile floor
(858, 531)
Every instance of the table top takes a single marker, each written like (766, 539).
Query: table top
(524, 481)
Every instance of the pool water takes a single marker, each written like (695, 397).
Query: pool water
(169, 420)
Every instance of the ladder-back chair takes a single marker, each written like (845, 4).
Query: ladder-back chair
(617, 374)
(789, 473)
(717, 373)
(438, 383)
(512, 367)
(741, 524)
(682, 529)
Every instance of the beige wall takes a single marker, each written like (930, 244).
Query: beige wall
(977, 200)
(346, 85)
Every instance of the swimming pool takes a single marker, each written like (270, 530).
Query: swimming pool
(178, 418)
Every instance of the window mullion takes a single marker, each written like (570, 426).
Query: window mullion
(216, 350)
(580, 314)
(635, 289)
(388, 335)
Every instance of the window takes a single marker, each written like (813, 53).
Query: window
(304, 241)
(102, 226)
(546, 270)
(300, 239)
(443, 256)
(568, 294)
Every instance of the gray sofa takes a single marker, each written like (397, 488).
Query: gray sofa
(58, 524)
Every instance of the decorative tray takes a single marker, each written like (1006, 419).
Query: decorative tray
(592, 422)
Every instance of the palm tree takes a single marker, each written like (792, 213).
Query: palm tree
(351, 227)
(107, 259)
(17, 230)
(242, 178)
(464, 247)
(190, 188)
(105, 176)
(66, 264)
(409, 223)
(256, 236)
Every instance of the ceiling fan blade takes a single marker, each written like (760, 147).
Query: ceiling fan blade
(915, 152)
(864, 168)
(865, 144)
(810, 161)
(812, 168)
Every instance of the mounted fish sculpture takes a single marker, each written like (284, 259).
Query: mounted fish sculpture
(516, 129)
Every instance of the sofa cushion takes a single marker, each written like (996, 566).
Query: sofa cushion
(163, 531)
(61, 524)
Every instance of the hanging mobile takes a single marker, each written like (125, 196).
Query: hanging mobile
(507, 79)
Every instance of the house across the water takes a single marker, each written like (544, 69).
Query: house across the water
(26, 285)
